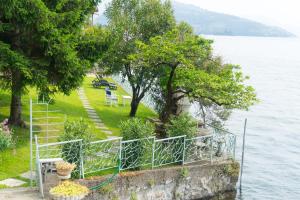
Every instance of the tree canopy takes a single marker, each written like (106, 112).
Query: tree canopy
(129, 21)
(188, 69)
(39, 46)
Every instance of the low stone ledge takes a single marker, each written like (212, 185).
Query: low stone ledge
(190, 182)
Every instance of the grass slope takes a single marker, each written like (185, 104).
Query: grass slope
(15, 161)
(112, 115)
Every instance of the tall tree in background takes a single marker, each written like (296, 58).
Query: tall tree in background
(129, 21)
(188, 69)
(38, 47)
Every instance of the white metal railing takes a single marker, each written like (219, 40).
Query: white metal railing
(46, 123)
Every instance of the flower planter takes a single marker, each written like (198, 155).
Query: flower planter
(64, 169)
(64, 177)
(57, 197)
(64, 172)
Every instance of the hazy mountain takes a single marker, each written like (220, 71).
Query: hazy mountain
(213, 23)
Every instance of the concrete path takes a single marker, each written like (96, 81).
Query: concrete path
(19, 194)
(12, 182)
(93, 115)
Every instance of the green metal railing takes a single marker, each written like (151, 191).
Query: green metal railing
(104, 154)
(169, 151)
(136, 154)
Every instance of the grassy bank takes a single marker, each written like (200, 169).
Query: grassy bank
(112, 115)
(15, 161)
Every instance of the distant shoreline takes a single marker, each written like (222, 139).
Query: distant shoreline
(252, 36)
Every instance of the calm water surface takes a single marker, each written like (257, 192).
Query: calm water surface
(272, 156)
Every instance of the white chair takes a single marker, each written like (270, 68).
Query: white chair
(110, 98)
(124, 98)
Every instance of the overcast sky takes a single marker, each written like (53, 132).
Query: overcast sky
(283, 13)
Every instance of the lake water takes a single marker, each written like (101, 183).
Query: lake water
(272, 154)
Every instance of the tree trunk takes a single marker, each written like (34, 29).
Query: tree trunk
(134, 107)
(170, 109)
(170, 101)
(16, 94)
(134, 102)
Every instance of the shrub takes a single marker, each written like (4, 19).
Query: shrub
(5, 140)
(76, 130)
(72, 131)
(135, 152)
(5, 136)
(135, 128)
(183, 124)
(180, 125)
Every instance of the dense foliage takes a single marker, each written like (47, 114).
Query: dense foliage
(72, 152)
(183, 124)
(135, 128)
(129, 21)
(76, 130)
(188, 69)
(39, 47)
(6, 140)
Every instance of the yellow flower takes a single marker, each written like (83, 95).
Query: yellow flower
(68, 188)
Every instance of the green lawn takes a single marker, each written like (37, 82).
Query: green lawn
(15, 161)
(112, 115)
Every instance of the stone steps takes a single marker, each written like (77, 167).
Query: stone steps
(93, 114)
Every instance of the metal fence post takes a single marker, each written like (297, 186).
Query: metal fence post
(243, 153)
(39, 172)
(81, 161)
(31, 154)
(183, 152)
(47, 122)
(234, 146)
(120, 156)
(211, 149)
(153, 153)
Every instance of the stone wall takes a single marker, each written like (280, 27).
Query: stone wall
(191, 182)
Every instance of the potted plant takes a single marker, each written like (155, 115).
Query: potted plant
(64, 169)
(68, 190)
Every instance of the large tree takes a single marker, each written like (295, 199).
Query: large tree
(129, 21)
(39, 46)
(188, 69)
